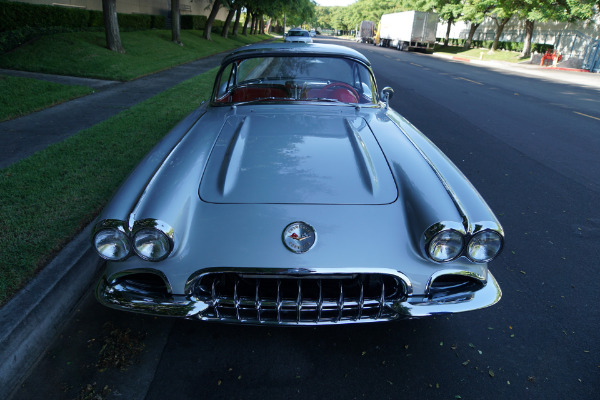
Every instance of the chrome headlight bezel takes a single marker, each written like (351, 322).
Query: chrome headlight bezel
(120, 240)
(442, 239)
(151, 244)
(158, 234)
(495, 242)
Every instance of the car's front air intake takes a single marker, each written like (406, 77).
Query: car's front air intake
(299, 299)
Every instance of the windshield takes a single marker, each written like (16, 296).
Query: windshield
(297, 78)
(298, 33)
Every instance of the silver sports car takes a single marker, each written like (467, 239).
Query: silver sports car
(297, 196)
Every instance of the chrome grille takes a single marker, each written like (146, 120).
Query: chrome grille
(302, 299)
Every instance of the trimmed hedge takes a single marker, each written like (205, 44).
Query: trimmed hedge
(18, 15)
(193, 22)
(22, 22)
(15, 16)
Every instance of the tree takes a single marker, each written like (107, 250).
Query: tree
(238, 16)
(501, 14)
(211, 19)
(475, 11)
(111, 26)
(175, 23)
(232, 10)
(246, 20)
(557, 10)
(449, 11)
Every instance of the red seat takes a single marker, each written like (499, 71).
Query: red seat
(250, 93)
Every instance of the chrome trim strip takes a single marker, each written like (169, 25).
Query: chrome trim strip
(460, 272)
(459, 207)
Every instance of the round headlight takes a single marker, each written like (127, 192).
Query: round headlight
(151, 244)
(484, 246)
(445, 246)
(112, 244)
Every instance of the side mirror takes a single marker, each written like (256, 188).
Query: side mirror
(386, 95)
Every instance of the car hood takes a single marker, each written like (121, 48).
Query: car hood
(302, 158)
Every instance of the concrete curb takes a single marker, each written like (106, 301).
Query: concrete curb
(559, 75)
(31, 320)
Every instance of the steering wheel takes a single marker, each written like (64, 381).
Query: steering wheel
(343, 86)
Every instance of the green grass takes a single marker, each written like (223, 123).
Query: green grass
(21, 96)
(84, 53)
(482, 54)
(49, 197)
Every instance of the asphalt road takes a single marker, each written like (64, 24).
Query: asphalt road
(531, 148)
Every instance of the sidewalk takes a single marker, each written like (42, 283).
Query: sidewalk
(572, 77)
(21, 137)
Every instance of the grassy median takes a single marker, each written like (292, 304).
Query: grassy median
(21, 96)
(482, 54)
(84, 53)
(49, 197)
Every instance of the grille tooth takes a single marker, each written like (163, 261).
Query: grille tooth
(214, 299)
(257, 303)
(361, 300)
(340, 302)
(320, 301)
(279, 300)
(298, 299)
(381, 299)
(236, 299)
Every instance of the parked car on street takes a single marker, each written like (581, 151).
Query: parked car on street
(297, 196)
(297, 35)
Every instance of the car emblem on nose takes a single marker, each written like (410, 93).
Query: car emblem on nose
(299, 237)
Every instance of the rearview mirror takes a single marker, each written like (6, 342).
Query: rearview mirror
(386, 95)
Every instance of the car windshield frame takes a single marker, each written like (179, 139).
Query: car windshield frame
(246, 79)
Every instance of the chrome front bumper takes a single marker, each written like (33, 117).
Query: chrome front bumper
(121, 297)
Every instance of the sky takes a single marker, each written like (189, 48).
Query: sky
(329, 3)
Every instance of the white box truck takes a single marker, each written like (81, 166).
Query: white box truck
(365, 32)
(408, 29)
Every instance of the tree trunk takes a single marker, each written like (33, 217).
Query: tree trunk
(527, 42)
(472, 30)
(499, 29)
(111, 26)
(253, 24)
(447, 37)
(245, 29)
(211, 19)
(225, 30)
(261, 25)
(238, 16)
(175, 23)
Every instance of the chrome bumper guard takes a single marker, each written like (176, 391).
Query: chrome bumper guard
(121, 297)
